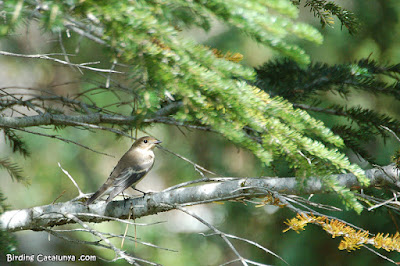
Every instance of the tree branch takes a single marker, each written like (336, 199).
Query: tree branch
(46, 57)
(66, 120)
(50, 215)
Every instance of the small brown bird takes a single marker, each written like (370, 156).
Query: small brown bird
(130, 169)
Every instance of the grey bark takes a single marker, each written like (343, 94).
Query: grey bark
(37, 218)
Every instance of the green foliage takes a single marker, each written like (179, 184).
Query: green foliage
(268, 23)
(146, 36)
(15, 142)
(17, 145)
(7, 241)
(297, 83)
(13, 169)
(345, 194)
(361, 125)
(324, 10)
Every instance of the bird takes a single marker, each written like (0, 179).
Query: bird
(130, 169)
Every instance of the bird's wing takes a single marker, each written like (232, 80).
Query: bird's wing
(128, 177)
(102, 190)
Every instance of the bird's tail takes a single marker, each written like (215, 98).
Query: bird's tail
(114, 192)
(98, 193)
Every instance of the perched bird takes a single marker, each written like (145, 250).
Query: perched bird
(130, 169)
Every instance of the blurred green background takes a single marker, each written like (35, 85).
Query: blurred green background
(378, 38)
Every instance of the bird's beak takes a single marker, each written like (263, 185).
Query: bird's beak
(157, 142)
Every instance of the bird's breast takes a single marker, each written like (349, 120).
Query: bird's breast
(143, 157)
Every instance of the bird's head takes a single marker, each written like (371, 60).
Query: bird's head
(146, 143)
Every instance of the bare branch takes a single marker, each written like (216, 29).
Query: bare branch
(63, 139)
(391, 131)
(187, 160)
(217, 232)
(380, 255)
(57, 233)
(46, 57)
(67, 120)
(72, 180)
(152, 203)
(256, 245)
(120, 254)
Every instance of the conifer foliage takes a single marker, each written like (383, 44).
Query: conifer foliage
(305, 87)
(155, 74)
(166, 68)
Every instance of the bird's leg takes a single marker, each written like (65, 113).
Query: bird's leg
(123, 195)
(125, 199)
(144, 193)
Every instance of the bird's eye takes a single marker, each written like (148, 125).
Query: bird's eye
(145, 141)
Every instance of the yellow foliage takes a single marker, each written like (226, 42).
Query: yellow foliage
(235, 57)
(269, 200)
(387, 242)
(297, 224)
(352, 239)
(337, 228)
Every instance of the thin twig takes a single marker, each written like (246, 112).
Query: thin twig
(65, 52)
(59, 196)
(62, 139)
(121, 254)
(218, 232)
(384, 203)
(391, 131)
(380, 255)
(72, 180)
(126, 228)
(202, 180)
(186, 160)
(256, 245)
(46, 57)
